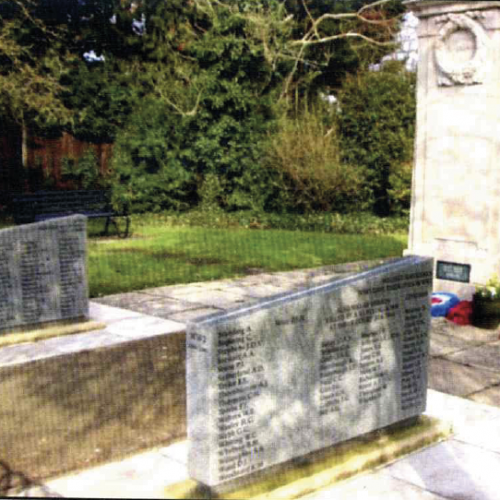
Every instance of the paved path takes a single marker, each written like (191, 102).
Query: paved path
(464, 373)
(465, 361)
(185, 302)
(462, 468)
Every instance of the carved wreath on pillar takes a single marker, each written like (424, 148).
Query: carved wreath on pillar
(451, 71)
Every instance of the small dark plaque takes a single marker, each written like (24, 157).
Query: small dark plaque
(452, 271)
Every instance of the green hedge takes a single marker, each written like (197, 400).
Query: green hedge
(353, 223)
(377, 128)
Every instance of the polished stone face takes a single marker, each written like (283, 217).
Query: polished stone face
(43, 272)
(455, 196)
(299, 372)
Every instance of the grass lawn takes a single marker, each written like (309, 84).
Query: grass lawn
(158, 255)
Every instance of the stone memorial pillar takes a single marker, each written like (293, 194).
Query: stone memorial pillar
(455, 211)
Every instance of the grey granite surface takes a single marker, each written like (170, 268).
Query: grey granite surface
(300, 371)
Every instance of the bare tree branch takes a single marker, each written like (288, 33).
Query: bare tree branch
(36, 22)
(343, 35)
(313, 32)
(372, 5)
(191, 112)
(292, 73)
(314, 25)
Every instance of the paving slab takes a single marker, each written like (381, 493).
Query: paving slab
(453, 469)
(484, 435)
(321, 279)
(442, 344)
(489, 396)
(262, 290)
(464, 332)
(21, 353)
(81, 342)
(191, 314)
(161, 307)
(43, 349)
(264, 278)
(169, 290)
(457, 379)
(485, 356)
(223, 299)
(374, 486)
(295, 276)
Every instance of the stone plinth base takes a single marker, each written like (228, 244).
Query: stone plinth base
(78, 401)
(322, 469)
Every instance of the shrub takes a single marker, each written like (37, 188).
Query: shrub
(211, 100)
(211, 192)
(84, 172)
(376, 126)
(149, 174)
(399, 192)
(305, 151)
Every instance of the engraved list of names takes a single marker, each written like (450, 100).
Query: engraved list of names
(305, 370)
(43, 272)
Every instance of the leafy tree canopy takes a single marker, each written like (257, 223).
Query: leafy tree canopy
(32, 62)
(169, 49)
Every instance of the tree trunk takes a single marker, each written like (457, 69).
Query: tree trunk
(24, 146)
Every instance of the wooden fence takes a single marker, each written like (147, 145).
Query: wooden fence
(43, 156)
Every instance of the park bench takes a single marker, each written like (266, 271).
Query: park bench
(44, 205)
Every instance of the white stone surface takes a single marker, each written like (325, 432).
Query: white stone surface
(144, 326)
(299, 372)
(110, 314)
(462, 413)
(481, 435)
(177, 451)
(374, 486)
(145, 476)
(452, 470)
(455, 210)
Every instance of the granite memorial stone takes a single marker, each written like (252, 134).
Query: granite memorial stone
(302, 371)
(43, 273)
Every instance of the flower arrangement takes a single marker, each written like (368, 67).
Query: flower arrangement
(490, 291)
(486, 304)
